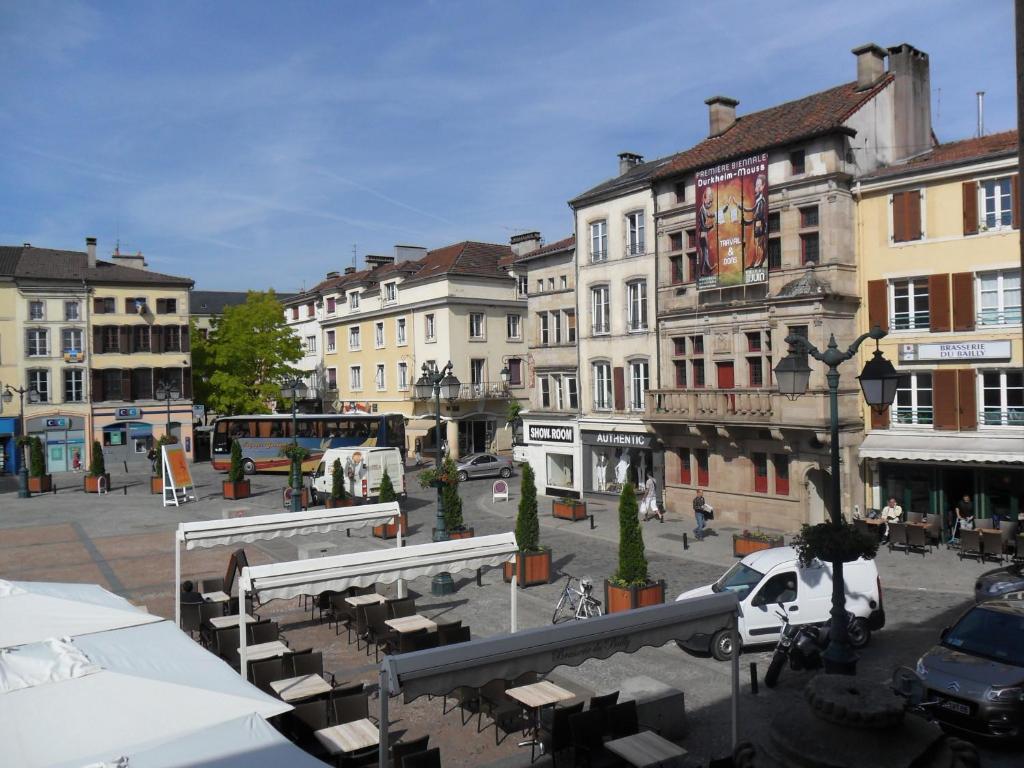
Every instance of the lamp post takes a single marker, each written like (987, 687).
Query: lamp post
(167, 391)
(878, 381)
(438, 383)
(295, 389)
(33, 397)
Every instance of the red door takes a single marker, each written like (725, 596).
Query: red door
(727, 380)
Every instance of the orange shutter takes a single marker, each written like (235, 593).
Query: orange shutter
(878, 301)
(1015, 199)
(944, 399)
(963, 301)
(967, 400)
(938, 302)
(906, 216)
(899, 213)
(879, 420)
(970, 193)
(619, 388)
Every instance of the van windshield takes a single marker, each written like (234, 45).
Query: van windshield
(739, 579)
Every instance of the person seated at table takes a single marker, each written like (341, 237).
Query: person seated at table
(189, 594)
(891, 513)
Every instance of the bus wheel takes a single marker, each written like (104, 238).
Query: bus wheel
(248, 466)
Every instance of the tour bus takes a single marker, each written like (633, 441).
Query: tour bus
(262, 437)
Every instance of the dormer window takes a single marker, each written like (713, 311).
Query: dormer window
(798, 162)
(390, 293)
(353, 301)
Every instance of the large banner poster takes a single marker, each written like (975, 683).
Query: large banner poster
(732, 223)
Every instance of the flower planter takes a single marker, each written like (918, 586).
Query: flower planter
(92, 484)
(618, 599)
(156, 485)
(462, 533)
(332, 503)
(41, 484)
(745, 545)
(236, 490)
(530, 568)
(390, 530)
(569, 509)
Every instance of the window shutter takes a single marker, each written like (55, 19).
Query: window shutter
(963, 301)
(938, 302)
(185, 345)
(126, 384)
(970, 193)
(97, 306)
(156, 339)
(879, 420)
(967, 405)
(944, 397)
(899, 203)
(97, 339)
(878, 304)
(1015, 199)
(97, 386)
(126, 339)
(912, 220)
(186, 383)
(619, 388)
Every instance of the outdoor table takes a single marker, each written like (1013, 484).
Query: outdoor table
(266, 650)
(535, 697)
(215, 597)
(647, 749)
(356, 600)
(348, 737)
(414, 623)
(220, 622)
(301, 687)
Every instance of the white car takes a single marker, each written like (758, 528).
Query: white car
(363, 468)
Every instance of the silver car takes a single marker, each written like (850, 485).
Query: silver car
(483, 465)
(974, 678)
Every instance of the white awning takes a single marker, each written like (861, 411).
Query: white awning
(32, 611)
(215, 533)
(50, 661)
(362, 569)
(959, 447)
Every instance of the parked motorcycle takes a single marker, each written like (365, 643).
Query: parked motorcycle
(801, 644)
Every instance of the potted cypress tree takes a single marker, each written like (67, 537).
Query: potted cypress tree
(533, 562)
(385, 494)
(97, 469)
(297, 454)
(452, 501)
(338, 497)
(38, 480)
(236, 486)
(631, 586)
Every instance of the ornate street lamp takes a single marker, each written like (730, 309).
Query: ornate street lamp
(505, 376)
(167, 391)
(33, 397)
(439, 384)
(295, 389)
(878, 381)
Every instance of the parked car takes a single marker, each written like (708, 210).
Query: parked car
(764, 579)
(483, 465)
(974, 677)
(1000, 582)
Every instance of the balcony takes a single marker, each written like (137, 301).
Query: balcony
(484, 390)
(749, 407)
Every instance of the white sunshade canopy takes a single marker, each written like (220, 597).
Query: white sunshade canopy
(153, 683)
(361, 569)
(31, 611)
(246, 742)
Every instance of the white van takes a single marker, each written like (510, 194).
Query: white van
(363, 468)
(766, 578)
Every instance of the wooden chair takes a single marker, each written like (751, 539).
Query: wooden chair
(991, 545)
(208, 611)
(310, 663)
(347, 709)
(226, 645)
(970, 544)
(555, 734)
(604, 701)
(405, 606)
(303, 721)
(621, 720)
(915, 517)
(983, 522)
(500, 708)
(917, 539)
(587, 740)
(377, 632)
(403, 749)
(934, 529)
(262, 673)
(1008, 531)
(263, 632)
(192, 618)
(897, 536)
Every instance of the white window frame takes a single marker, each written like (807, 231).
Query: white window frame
(999, 212)
(355, 338)
(1003, 416)
(563, 282)
(39, 380)
(540, 285)
(40, 350)
(637, 320)
(380, 378)
(35, 318)
(598, 241)
(523, 285)
(310, 345)
(556, 326)
(332, 373)
(480, 320)
(80, 346)
(914, 412)
(545, 328)
(556, 390)
(639, 382)
(378, 334)
(572, 390)
(545, 392)
(551, 283)
(636, 244)
(331, 340)
(79, 389)
(75, 315)
(390, 293)
(353, 301)
(430, 327)
(917, 287)
(355, 378)
(514, 327)
(600, 311)
(403, 376)
(604, 397)
(1002, 313)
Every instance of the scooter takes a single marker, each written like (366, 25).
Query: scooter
(801, 644)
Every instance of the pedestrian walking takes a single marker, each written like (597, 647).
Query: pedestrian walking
(650, 501)
(699, 507)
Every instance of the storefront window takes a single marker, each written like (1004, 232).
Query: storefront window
(560, 470)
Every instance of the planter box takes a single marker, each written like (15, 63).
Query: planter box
(530, 569)
(330, 503)
(156, 485)
(618, 599)
(465, 533)
(568, 509)
(236, 490)
(92, 484)
(41, 484)
(743, 546)
(390, 530)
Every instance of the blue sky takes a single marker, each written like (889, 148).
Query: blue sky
(252, 144)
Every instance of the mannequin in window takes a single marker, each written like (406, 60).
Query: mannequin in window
(601, 472)
(622, 469)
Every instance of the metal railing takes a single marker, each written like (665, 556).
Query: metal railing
(908, 415)
(598, 256)
(636, 249)
(483, 389)
(1011, 316)
(1013, 416)
(906, 321)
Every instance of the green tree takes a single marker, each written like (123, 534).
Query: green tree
(241, 365)
(527, 524)
(337, 481)
(632, 561)
(202, 365)
(97, 466)
(450, 498)
(37, 462)
(236, 474)
(387, 489)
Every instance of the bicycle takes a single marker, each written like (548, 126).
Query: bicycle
(576, 602)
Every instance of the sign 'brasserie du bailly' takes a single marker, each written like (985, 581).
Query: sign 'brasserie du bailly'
(956, 350)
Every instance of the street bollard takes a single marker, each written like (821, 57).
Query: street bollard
(125, 491)
(592, 526)
(686, 542)
(479, 577)
(753, 677)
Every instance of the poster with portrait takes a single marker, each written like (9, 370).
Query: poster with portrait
(732, 223)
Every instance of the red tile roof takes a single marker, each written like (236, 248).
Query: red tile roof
(28, 262)
(815, 115)
(954, 153)
(562, 245)
(465, 258)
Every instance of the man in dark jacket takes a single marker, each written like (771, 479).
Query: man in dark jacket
(698, 512)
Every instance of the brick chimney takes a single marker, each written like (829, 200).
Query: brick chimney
(350, 270)
(912, 103)
(373, 261)
(133, 260)
(870, 64)
(629, 160)
(90, 248)
(721, 114)
(524, 243)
